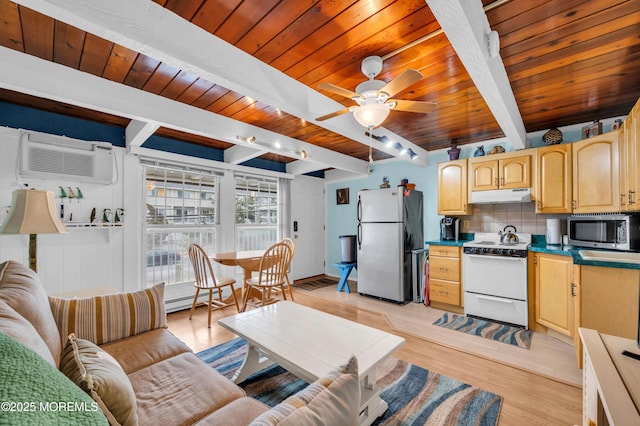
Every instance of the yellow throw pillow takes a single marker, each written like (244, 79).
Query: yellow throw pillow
(103, 319)
(100, 375)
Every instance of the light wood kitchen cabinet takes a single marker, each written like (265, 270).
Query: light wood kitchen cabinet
(596, 179)
(502, 173)
(629, 140)
(555, 295)
(554, 179)
(609, 300)
(445, 275)
(452, 188)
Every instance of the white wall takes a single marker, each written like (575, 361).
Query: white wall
(85, 258)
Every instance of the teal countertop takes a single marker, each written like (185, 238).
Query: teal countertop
(539, 245)
(448, 242)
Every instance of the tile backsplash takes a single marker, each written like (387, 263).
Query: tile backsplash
(494, 217)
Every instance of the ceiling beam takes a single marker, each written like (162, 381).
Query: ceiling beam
(146, 27)
(466, 26)
(37, 77)
(239, 154)
(137, 132)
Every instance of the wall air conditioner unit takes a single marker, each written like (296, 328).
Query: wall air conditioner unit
(56, 157)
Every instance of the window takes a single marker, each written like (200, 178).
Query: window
(256, 212)
(181, 209)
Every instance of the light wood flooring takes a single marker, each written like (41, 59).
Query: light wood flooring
(535, 390)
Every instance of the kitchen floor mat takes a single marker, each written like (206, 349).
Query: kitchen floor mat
(490, 330)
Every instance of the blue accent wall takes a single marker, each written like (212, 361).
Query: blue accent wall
(22, 117)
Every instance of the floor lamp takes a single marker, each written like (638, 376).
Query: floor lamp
(33, 212)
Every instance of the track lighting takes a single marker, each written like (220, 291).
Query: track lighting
(251, 140)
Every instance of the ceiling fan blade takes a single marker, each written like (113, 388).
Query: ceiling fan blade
(401, 82)
(338, 90)
(334, 114)
(412, 106)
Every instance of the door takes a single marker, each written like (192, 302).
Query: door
(554, 179)
(596, 180)
(452, 187)
(515, 172)
(307, 210)
(380, 205)
(554, 293)
(380, 254)
(483, 175)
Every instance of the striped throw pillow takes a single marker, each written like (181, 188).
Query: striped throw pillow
(103, 319)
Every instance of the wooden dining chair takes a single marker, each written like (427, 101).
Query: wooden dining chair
(206, 280)
(292, 246)
(272, 275)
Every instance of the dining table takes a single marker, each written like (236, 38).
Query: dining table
(248, 260)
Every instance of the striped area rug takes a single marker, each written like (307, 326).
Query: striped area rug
(490, 330)
(415, 396)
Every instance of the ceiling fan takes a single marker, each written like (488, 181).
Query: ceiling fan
(374, 97)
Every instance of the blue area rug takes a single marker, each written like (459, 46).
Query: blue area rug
(415, 396)
(490, 330)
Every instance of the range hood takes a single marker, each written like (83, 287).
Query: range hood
(518, 195)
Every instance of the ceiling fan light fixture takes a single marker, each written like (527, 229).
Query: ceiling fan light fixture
(371, 115)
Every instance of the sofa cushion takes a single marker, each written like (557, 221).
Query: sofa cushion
(180, 390)
(103, 319)
(330, 400)
(135, 353)
(100, 375)
(38, 393)
(20, 329)
(21, 289)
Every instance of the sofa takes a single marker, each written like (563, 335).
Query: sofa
(112, 360)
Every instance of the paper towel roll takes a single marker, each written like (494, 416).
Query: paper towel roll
(554, 231)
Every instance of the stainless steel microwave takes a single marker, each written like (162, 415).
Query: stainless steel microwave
(616, 231)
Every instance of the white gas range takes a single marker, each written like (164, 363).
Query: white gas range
(495, 278)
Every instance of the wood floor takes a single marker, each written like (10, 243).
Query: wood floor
(529, 398)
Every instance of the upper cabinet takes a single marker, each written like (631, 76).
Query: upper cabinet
(596, 187)
(554, 180)
(500, 173)
(452, 188)
(629, 139)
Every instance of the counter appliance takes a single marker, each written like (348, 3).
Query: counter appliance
(449, 228)
(607, 231)
(495, 278)
(390, 226)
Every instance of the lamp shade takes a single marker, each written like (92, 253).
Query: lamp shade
(371, 115)
(32, 211)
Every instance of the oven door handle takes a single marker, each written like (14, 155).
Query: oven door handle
(492, 257)
(494, 299)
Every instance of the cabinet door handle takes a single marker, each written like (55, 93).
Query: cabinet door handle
(622, 199)
(497, 182)
(573, 288)
(631, 197)
(573, 204)
(539, 205)
(502, 181)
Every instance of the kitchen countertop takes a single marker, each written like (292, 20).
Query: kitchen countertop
(539, 245)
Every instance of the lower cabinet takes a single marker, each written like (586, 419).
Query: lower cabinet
(555, 293)
(444, 275)
(609, 300)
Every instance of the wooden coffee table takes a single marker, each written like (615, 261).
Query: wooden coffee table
(309, 343)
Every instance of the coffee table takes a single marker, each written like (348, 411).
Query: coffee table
(309, 343)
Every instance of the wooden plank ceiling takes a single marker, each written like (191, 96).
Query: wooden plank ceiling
(568, 62)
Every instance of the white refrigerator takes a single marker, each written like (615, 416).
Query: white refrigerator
(390, 226)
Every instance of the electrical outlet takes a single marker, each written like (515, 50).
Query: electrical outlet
(465, 224)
